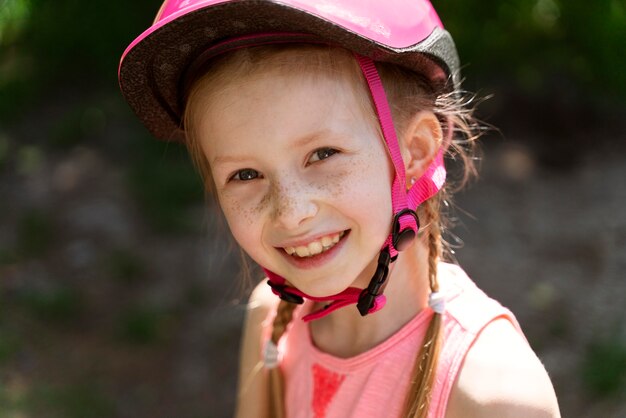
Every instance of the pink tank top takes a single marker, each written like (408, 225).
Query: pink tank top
(375, 383)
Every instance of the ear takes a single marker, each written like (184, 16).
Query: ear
(419, 143)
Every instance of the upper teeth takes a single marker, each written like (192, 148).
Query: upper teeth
(315, 247)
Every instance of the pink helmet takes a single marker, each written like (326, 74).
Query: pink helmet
(156, 66)
(405, 32)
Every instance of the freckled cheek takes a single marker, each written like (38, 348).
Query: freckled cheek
(333, 185)
(238, 213)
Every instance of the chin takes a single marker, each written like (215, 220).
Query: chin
(334, 283)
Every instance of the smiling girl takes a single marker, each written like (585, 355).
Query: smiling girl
(321, 127)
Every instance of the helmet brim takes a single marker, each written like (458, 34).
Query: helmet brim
(152, 67)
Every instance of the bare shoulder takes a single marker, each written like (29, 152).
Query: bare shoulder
(251, 396)
(502, 377)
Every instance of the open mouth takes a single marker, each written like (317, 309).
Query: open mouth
(316, 247)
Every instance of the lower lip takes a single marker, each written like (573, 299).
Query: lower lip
(312, 262)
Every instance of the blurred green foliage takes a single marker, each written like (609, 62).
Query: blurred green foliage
(4, 150)
(60, 304)
(534, 42)
(13, 17)
(10, 344)
(46, 44)
(74, 126)
(71, 401)
(164, 184)
(7, 256)
(145, 325)
(123, 264)
(604, 367)
(34, 233)
(59, 47)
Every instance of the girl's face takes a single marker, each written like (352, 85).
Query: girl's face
(302, 176)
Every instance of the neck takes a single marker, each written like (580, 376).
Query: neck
(345, 333)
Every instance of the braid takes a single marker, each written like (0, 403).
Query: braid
(424, 372)
(284, 315)
(434, 241)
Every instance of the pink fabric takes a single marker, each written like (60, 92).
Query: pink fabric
(374, 383)
(379, 97)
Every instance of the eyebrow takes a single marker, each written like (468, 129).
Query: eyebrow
(312, 137)
(228, 159)
(300, 142)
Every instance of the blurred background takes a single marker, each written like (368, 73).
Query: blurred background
(119, 289)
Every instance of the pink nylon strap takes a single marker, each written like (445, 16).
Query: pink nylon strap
(430, 183)
(347, 297)
(398, 195)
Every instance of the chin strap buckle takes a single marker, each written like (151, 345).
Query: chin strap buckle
(367, 298)
(281, 291)
(402, 238)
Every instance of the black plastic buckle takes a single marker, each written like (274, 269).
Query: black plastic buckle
(377, 284)
(402, 239)
(281, 289)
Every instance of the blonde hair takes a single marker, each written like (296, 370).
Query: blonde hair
(408, 93)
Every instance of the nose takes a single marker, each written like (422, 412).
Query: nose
(293, 203)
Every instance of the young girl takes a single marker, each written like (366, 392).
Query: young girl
(321, 128)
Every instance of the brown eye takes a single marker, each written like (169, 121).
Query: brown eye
(322, 154)
(245, 175)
